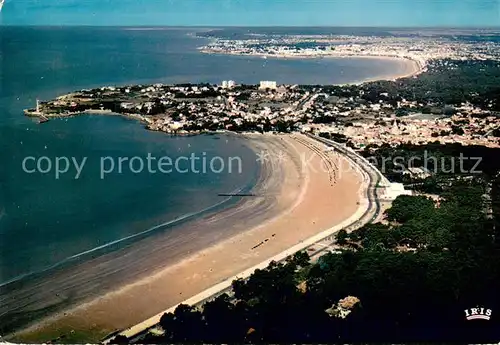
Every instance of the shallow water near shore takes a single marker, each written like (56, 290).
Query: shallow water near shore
(47, 219)
(44, 220)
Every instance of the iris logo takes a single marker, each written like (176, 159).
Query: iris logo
(477, 313)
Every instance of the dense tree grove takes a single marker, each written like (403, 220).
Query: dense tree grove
(442, 161)
(413, 276)
(447, 82)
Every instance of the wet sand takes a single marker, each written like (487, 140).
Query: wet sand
(409, 68)
(302, 191)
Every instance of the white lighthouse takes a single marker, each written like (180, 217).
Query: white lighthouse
(37, 106)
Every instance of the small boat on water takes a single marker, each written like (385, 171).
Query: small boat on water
(1, 4)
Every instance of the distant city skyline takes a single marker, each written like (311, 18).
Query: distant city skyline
(398, 13)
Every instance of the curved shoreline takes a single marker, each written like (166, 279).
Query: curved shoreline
(147, 270)
(102, 249)
(280, 220)
(57, 288)
(18, 297)
(418, 66)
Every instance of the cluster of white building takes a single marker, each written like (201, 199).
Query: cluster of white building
(267, 84)
(264, 84)
(228, 84)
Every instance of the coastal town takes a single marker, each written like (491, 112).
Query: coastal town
(250, 172)
(448, 106)
(425, 105)
(356, 115)
(420, 47)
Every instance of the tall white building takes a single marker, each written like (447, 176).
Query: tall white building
(228, 84)
(266, 84)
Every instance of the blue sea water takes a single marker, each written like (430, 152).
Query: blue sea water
(45, 220)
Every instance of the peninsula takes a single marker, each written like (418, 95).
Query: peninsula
(453, 101)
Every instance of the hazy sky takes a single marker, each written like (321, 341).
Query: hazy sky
(253, 12)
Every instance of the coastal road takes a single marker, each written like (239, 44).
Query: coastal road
(375, 179)
(367, 211)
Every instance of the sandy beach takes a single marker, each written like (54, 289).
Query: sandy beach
(410, 66)
(302, 191)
